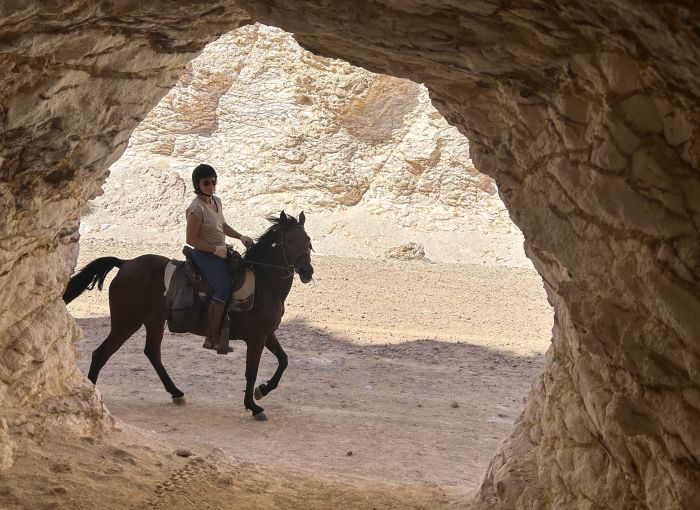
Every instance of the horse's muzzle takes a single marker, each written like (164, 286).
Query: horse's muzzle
(306, 274)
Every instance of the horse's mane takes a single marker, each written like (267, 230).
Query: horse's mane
(264, 242)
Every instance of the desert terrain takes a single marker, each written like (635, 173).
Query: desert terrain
(403, 378)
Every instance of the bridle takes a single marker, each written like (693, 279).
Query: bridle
(288, 268)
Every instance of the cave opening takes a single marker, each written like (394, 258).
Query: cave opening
(412, 353)
(585, 116)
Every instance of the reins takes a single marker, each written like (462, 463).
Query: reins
(289, 269)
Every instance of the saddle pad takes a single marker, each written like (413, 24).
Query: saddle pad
(247, 289)
(168, 276)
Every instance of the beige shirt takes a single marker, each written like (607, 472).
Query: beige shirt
(212, 228)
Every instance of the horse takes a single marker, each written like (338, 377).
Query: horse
(136, 298)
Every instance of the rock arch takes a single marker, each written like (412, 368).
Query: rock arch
(585, 113)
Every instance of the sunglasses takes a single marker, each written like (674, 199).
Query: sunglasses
(208, 182)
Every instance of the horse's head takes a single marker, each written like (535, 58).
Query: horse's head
(297, 245)
(286, 239)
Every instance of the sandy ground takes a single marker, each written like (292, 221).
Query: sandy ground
(403, 379)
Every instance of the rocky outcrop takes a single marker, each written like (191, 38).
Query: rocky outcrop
(408, 251)
(585, 113)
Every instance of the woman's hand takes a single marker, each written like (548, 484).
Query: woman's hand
(247, 241)
(221, 251)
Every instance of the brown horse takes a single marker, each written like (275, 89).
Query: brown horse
(136, 298)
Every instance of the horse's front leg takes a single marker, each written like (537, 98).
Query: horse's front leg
(273, 345)
(253, 353)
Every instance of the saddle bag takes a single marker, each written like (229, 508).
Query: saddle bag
(182, 299)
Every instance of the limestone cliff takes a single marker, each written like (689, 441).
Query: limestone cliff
(287, 129)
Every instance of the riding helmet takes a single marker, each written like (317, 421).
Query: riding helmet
(200, 172)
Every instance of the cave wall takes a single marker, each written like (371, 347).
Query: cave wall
(586, 114)
(76, 78)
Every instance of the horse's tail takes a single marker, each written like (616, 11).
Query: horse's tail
(94, 273)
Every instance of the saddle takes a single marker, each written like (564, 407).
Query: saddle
(236, 269)
(187, 293)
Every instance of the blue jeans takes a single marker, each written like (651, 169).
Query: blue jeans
(215, 273)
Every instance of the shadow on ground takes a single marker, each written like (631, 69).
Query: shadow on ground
(423, 411)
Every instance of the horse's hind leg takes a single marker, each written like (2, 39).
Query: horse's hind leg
(119, 333)
(273, 345)
(154, 338)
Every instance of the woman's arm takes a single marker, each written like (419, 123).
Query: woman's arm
(229, 231)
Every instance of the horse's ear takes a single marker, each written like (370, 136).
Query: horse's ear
(283, 217)
(302, 218)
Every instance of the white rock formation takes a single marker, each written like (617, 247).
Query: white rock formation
(287, 129)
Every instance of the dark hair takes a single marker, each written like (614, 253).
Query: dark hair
(201, 171)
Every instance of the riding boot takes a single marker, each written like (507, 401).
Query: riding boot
(213, 339)
(223, 346)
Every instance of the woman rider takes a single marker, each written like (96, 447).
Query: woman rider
(206, 233)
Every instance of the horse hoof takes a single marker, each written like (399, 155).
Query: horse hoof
(261, 416)
(258, 393)
(179, 401)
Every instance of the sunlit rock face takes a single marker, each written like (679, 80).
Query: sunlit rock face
(585, 113)
(286, 129)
